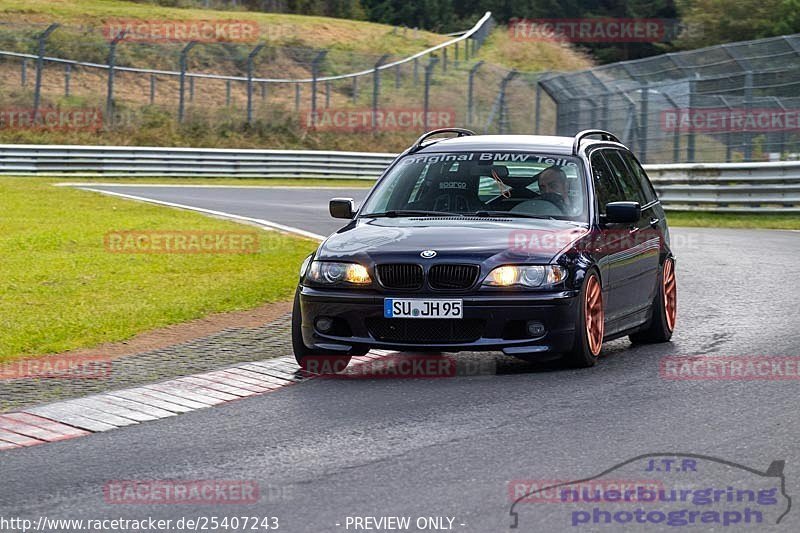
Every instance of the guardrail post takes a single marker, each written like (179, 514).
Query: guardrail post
(426, 100)
(37, 91)
(397, 76)
(250, 60)
(314, 75)
(416, 71)
(355, 89)
(191, 88)
(112, 60)
(327, 94)
(228, 93)
(67, 73)
(297, 98)
(152, 89)
(455, 54)
(444, 59)
(263, 90)
(376, 88)
(470, 85)
(466, 50)
(182, 78)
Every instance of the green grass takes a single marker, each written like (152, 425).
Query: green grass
(63, 290)
(733, 220)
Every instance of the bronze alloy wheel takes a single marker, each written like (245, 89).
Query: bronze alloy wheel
(593, 313)
(670, 293)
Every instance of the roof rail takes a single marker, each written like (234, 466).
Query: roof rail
(460, 132)
(604, 135)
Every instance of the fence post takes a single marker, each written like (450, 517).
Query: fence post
(643, 120)
(444, 59)
(327, 94)
(37, 91)
(250, 60)
(397, 76)
(690, 140)
(416, 71)
(228, 93)
(24, 73)
(182, 78)
(426, 100)
(455, 54)
(466, 50)
(748, 104)
(191, 88)
(112, 60)
(297, 98)
(263, 90)
(152, 89)
(355, 89)
(538, 108)
(470, 85)
(376, 87)
(314, 75)
(503, 119)
(67, 74)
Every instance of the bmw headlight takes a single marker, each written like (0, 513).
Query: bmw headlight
(332, 273)
(530, 276)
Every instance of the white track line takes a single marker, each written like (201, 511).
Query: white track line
(202, 186)
(260, 221)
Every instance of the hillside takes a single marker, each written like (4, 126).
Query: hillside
(215, 109)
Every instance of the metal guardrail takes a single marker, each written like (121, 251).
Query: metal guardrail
(719, 187)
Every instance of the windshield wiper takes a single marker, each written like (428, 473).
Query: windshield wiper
(411, 213)
(510, 214)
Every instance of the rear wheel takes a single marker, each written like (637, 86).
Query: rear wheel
(590, 326)
(664, 310)
(310, 359)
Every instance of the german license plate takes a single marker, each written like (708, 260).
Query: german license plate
(418, 308)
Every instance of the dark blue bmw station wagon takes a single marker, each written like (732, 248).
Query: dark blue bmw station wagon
(534, 246)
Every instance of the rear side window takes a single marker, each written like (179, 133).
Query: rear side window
(641, 176)
(627, 181)
(604, 183)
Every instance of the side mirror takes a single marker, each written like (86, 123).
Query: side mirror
(623, 212)
(342, 208)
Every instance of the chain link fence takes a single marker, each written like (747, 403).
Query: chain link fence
(735, 102)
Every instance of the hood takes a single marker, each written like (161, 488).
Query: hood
(453, 238)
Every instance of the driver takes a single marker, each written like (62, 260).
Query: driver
(554, 188)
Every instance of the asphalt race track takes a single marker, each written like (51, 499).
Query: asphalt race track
(329, 449)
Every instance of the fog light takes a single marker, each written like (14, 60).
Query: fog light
(535, 328)
(324, 324)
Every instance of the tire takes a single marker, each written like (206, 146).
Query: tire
(589, 332)
(664, 309)
(310, 359)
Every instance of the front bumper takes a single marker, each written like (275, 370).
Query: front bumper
(498, 314)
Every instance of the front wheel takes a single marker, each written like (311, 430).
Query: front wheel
(590, 325)
(310, 359)
(664, 309)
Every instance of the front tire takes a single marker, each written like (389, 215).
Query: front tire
(310, 359)
(664, 309)
(590, 325)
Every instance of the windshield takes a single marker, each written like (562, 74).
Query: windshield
(522, 184)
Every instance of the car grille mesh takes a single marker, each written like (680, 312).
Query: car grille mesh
(452, 277)
(400, 276)
(429, 330)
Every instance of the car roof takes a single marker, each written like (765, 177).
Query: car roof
(550, 144)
